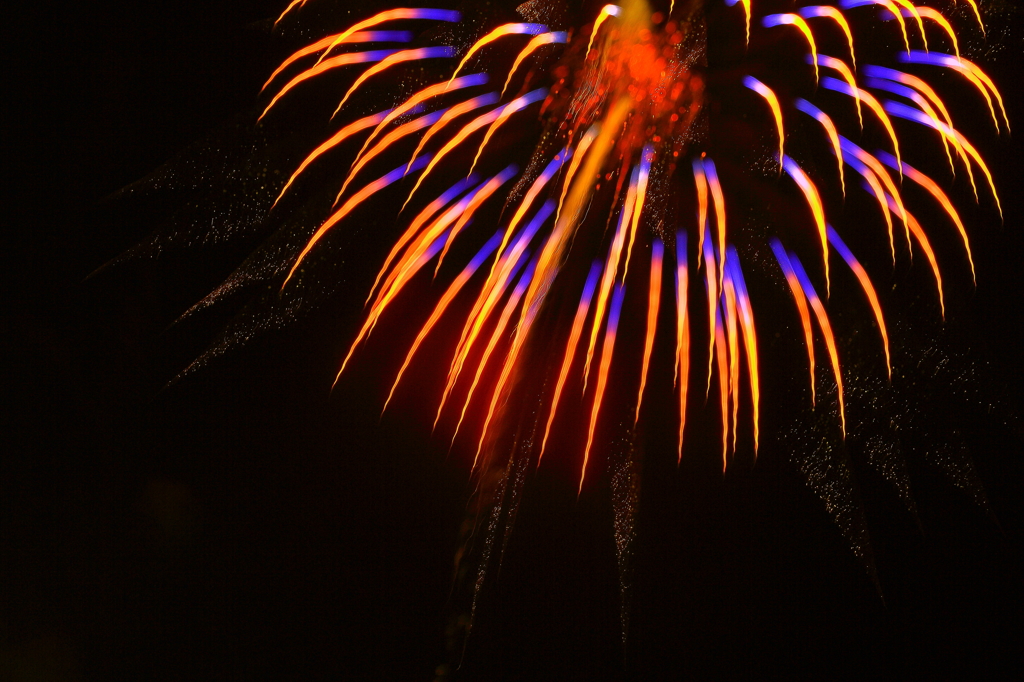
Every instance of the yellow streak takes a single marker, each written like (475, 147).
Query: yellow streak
(500, 32)
(813, 198)
(288, 9)
(682, 368)
(891, 6)
(459, 138)
(922, 239)
(746, 19)
(800, 23)
(930, 185)
(837, 16)
(917, 17)
(976, 71)
(773, 103)
(531, 195)
(537, 42)
(506, 113)
(641, 194)
(312, 72)
(605, 12)
(335, 140)
(805, 321)
(577, 159)
(929, 13)
(563, 374)
(830, 343)
(981, 164)
(702, 209)
(608, 278)
(654, 302)
(833, 136)
(844, 71)
(933, 97)
(382, 65)
(977, 14)
(719, 201)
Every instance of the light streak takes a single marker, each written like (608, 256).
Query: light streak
(322, 67)
(608, 346)
(396, 58)
(398, 14)
(570, 348)
(810, 191)
(826, 11)
(773, 103)
(969, 70)
(869, 290)
(830, 130)
(606, 11)
(554, 37)
(500, 32)
(653, 305)
(681, 374)
(789, 19)
(801, 304)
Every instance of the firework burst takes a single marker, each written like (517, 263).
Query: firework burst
(629, 160)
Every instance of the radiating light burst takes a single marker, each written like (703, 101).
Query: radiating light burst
(625, 167)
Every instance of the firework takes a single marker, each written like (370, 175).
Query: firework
(627, 161)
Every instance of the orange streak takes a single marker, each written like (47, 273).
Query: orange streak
(909, 7)
(398, 133)
(830, 343)
(319, 68)
(876, 307)
(383, 65)
(537, 42)
(732, 334)
(929, 13)
(337, 139)
(710, 282)
(606, 11)
(922, 239)
(840, 66)
(288, 9)
(499, 330)
(654, 302)
(481, 196)
(641, 195)
(602, 381)
(439, 309)
(311, 49)
(610, 271)
(388, 15)
(563, 374)
(929, 184)
(702, 207)
(805, 322)
(750, 345)
(500, 32)
(577, 159)
(837, 16)
(719, 201)
(682, 368)
(416, 99)
(881, 173)
(460, 137)
(773, 103)
(723, 385)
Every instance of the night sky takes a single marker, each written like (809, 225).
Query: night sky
(246, 523)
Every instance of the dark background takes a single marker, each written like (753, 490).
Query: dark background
(241, 525)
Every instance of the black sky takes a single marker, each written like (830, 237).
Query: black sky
(244, 525)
